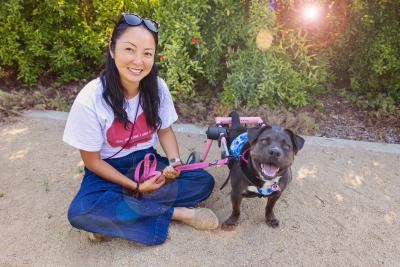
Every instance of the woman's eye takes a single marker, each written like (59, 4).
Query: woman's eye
(129, 49)
(148, 54)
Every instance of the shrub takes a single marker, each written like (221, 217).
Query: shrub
(181, 43)
(369, 53)
(288, 73)
(69, 42)
(203, 43)
(221, 31)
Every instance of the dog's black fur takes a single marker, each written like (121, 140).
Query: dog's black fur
(269, 145)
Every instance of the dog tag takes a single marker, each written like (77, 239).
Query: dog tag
(275, 187)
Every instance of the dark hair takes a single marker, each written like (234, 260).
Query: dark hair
(113, 92)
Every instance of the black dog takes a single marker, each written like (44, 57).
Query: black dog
(266, 171)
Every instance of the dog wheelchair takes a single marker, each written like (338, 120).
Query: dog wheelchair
(219, 132)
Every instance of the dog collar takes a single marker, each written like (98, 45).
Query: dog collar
(268, 188)
(237, 145)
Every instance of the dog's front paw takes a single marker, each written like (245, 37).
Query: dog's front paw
(230, 224)
(272, 221)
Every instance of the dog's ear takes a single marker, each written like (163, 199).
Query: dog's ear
(297, 140)
(254, 133)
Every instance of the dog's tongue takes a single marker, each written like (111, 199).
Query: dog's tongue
(269, 169)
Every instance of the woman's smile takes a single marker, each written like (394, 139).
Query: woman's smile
(135, 71)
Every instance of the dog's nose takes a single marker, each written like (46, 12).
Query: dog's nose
(275, 152)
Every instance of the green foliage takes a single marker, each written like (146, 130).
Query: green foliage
(210, 40)
(71, 41)
(212, 43)
(66, 37)
(221, 31)
(370, 53)
(288, 73)
(271, 78)
(181, 43)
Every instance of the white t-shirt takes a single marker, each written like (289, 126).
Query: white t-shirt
(91, 125)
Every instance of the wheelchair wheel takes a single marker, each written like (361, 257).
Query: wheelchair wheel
(193, 157)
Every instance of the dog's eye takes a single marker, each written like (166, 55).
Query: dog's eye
(286, 147)
(265, 141)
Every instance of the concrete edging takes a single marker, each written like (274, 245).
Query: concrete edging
(193, 129)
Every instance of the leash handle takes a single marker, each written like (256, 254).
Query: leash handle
(149, 168)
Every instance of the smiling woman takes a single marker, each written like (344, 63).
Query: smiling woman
(134, 57)
(115, 121)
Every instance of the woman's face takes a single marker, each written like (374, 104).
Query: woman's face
(134, 56)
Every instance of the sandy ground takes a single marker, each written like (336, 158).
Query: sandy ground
(342, 209)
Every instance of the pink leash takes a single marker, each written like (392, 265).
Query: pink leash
(150, 163)
(149, 168)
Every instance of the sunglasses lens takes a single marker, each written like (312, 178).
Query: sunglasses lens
(132, 20)
(135, 20)
(151, 25)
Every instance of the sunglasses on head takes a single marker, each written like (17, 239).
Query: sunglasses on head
(135, 20)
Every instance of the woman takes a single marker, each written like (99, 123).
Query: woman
(115, 121)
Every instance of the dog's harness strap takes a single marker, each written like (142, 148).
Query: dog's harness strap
(250, 175)
(238, 144)
(245, 155)
(225, 183)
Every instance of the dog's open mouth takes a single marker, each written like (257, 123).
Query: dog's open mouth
(268, 169)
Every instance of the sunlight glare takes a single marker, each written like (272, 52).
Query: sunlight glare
(311, 12)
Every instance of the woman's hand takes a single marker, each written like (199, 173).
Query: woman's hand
(170, 172)
(152, 184)
(170, 146)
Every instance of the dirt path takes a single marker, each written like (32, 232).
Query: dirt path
(342, 209)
